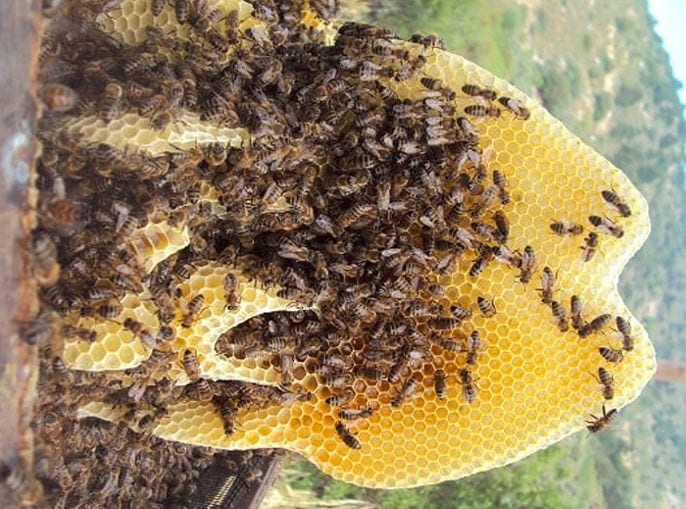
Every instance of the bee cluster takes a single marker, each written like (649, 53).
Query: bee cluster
(356, 201)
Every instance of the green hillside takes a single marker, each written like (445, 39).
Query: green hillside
(601, 69)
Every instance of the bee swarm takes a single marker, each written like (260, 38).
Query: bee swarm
(364, 252)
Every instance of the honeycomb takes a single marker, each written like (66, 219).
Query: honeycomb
(384, 289)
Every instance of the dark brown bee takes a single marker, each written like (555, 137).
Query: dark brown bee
(612, 199)
(428, 41)
(228, 410)
(347, 437)
(182, 10)
(58, 97)
(576, 309)
(528, 265)
(485, 306)
(398, 369)
(590, 247)
(624, 327)
(194, 307)
(564, 227)
(473, 347)
(547, 284)
(468, 385)
(594, 325)
(372, 374)
(479, 265)
(355, 413)
(109, 311)
(488, 232)
(597, 424)
(479, 110)
(109, 102)
(408, 389)
(233, 297)
(606, 226)
(502, 223)
(606, 380)
(440, 386)
(500, 181)
(611, 355)
(191, 365)
(509, 258)
(560, 314)
(216, 154)
(341, 399)
(477, 91)
(459, 312)
(156, 7)
(443, 323)
(515, 106)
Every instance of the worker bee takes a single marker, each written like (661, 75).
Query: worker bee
(136, 328)
(473, 347)
(460, 312)
(528, 265)
(606, 226)
(500, 181)
(547, 284)
(479, 110)
(468, 385)
(489, 232)
(486, 307)
(624, 327)
(407, 390)
(590, 247)
(228, 409)
(355, 413)
(286, 361)
(194, 307)
(58, 97)
(613, 199)
(480, 265)
(39, 331)
(477, 91)
(502, 223)
(560, 314)
(341, 399)
(564, 227)
(109, 311)
(348, 438)
(606, 380)
(428, 41)
(191, 365)
(109, 102)
(182, 10)
(598, 424)
(611, 354)
(515, 106)
(233, 297)
(443, 323)
(440, 386)
(507, 257)
(594, 325)
(576, 309)
(156, 7)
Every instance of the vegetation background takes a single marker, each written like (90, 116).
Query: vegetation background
(601, 69)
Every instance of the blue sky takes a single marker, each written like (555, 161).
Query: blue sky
(671, 27)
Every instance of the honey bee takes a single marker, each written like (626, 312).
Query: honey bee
(606, 226)
(509, 258)
(473, 347)
(182, 10)
(564, 227)
(348, 438)
(58, 97)
(398, 369)
(140, 332)
(428, 41)
(576, 309)
(515, 106)
(407, 390)
(109, 311)
(614, 200)
(480, 265)
(443, 323)
(191, 365)
(624, 327)
(460, 312)
(528, 265)
(233, 297)
(479, 110)
(547, 284)
(477, 91)
(193, 309)
(500, 181)
(109, 102)
(594, 325)
(606, 380)
(156, 7)
(369, 373)
(46, 267)
(355, 413)
(82, 333)
(611, 354)
(468, 385)
(440, 386)
(341, 399)
(488, 232)
(408, 69)
(486, 307)
(590, 247)
(560, 314)
(597, 424)
(228, 410)
(39, 330)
